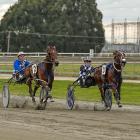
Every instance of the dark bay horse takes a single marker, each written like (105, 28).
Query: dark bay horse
(42, 73)
(112, 76)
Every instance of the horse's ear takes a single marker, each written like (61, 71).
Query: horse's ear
(48, 48)
(123, 53)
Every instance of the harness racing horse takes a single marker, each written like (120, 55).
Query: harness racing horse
(112, 76)
(43, 74)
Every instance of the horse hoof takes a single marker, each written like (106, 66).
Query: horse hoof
(44, 100)
(33, 100)
(119, 105)
(108, 108)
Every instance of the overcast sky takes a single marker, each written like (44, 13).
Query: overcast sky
(119, 10)
(4, 5)
(116, 9)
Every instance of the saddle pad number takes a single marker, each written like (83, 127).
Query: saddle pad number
(34, 68)
(103, 69)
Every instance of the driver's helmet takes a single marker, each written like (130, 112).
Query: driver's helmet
(20, 53)
(87, 59)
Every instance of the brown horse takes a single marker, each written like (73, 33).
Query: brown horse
(42, 73)
(112, 75)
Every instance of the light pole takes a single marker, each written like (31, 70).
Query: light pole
(8, 42)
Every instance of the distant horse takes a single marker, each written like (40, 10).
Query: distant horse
(42, 73)
(112, 76)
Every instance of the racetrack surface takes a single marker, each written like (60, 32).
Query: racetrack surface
(59, 123)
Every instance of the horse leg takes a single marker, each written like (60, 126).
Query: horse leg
(102, 92)
(49, 93)
(29, 83)
(107, 108)
(50, 83)
(116, 95)
(34, 92)
(35, 89)
(50, 80)
(119, 91)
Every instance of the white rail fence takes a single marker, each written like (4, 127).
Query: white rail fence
(40, 54)
(6, 61)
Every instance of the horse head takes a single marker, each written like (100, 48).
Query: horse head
(119, 59)
(51, 53)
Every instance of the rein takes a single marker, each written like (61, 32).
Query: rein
(48, 62)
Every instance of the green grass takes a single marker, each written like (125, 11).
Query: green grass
(130, 92)
(131, 70)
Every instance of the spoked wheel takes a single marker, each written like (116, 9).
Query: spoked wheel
(5, 96)
(70, 97)
(43, 97)
(108, 99)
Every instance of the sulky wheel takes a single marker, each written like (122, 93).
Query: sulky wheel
(108, 99)
(70, 97)
(5, 96)
(43, 97)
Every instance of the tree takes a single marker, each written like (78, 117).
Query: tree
(74, 25)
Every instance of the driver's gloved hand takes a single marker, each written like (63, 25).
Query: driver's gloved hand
(21, 77)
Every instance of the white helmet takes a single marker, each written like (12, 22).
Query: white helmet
(20, 53)
(87, 59)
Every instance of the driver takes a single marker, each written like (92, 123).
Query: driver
(85, 70)
(19, 65)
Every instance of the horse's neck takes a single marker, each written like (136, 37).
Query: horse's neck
(48, 64)
(47, 58)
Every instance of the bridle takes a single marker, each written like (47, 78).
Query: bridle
(51, 54)
(122, 60)
(118, 70)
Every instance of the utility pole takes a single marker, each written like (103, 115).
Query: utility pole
(112, 32)
(138, 34)
(8, 42)
(125, 31)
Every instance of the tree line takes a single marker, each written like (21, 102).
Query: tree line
(73, 25)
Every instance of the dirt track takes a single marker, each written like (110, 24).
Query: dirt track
(62, 124)
(58, 123)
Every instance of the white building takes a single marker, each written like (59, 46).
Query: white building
(123, 32)
(122, 35)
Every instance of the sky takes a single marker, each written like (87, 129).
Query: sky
(4, 5)
(111, 9)
(118, 10)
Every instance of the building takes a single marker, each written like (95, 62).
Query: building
(123, 35)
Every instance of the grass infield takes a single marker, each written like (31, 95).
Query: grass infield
(130, 91)
(131, 70)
